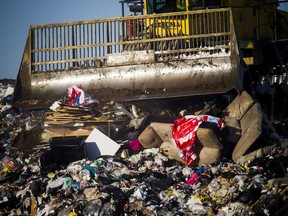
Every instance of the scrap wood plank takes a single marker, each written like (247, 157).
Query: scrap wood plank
(76, 114)
(69, 114)
(58, 122)
(50, 124)
(75, 120)
(55, 113)
(66, 113)
(67, 131)
(58, 118)
(85, 108)
(70, 117)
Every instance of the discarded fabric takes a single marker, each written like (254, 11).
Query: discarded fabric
(184, 134)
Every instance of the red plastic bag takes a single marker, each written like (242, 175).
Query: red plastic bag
(184, 131)
(76, 95)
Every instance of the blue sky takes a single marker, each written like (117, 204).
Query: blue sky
(16, 16)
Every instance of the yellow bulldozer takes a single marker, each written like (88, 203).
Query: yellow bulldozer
(163, 49)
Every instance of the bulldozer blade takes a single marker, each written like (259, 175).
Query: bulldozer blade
(132, 82)
(203, 62)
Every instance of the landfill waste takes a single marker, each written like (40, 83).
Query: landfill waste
(184, 132)
(151, 184)
(143, 181)
(78, 97)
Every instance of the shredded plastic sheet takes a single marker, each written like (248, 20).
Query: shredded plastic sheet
(184, 131)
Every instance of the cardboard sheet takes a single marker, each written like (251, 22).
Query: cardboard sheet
(98, 144)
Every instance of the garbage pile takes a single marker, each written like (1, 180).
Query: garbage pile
(143, 181)
(148, 183)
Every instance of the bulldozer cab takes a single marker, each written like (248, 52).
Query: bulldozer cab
(173, 25)
(166, 27)
(164, 6)
(167, 6)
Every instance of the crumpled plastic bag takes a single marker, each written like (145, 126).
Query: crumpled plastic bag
(184, 131)
(78, 97)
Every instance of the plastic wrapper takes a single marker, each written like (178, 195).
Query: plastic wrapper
(78, 97)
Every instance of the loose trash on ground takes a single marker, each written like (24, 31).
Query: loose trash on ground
(137, 170)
